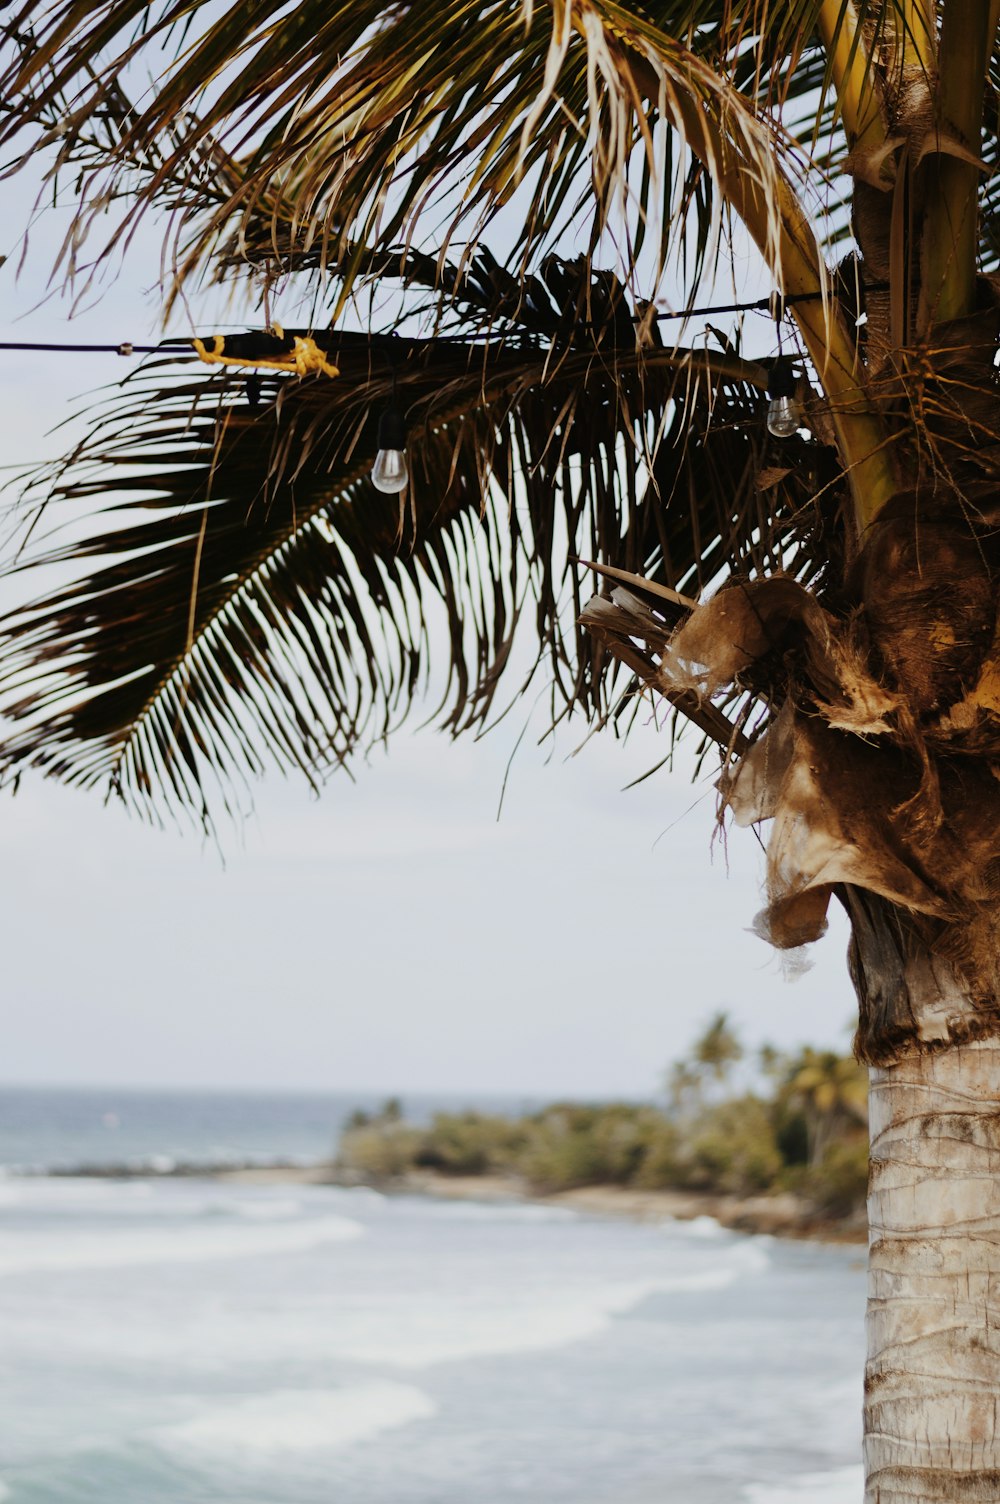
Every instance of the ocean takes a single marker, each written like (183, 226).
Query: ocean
(69, 1129)
(170, 1340)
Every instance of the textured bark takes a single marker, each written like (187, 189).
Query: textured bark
(932, 1389)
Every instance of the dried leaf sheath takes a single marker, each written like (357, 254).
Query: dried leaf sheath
(877, 776)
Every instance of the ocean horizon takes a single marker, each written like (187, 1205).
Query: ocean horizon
(65, 1129)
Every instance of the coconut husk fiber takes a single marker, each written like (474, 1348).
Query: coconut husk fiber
(879, 770)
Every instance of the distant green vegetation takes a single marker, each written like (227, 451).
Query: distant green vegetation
(804, 1129)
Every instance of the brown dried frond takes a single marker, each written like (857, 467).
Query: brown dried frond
(880, 768)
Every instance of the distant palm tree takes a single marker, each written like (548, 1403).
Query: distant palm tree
(257, 599)
(832, 1090)
(717, 1049)
(713, 1054)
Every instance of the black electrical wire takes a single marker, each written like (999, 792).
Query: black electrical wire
(777, 301)
(125, 348)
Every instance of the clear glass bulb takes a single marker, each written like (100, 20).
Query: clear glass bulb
(783, 417)
(389, 472)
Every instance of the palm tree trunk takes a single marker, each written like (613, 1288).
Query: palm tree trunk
(932, 1388)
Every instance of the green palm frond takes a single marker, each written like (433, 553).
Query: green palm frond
(313, 135)
(352, 123)
(256, 592)
(343, 133)
(256, 599)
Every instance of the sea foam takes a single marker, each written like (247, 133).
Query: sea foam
(845, 1486)
(29, 1253)
(272, 1210)
(297, 1420)
(703, 1228)
(473, 1324)
(456, 1330)
(496, 1211)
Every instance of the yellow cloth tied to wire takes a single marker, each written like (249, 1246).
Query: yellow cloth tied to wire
(304, 358)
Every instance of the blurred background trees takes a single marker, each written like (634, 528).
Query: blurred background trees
(781, 1123)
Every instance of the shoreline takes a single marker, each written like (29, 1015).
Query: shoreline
(781, 1215)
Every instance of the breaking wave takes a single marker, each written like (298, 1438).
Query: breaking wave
(297, 1420)
(27, 1253)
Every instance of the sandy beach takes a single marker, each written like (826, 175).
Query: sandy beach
(783, 1215)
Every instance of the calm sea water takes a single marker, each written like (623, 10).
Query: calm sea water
(110, 1127)
(168, 1341)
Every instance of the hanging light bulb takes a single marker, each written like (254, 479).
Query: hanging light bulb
(389, 472)
(783, 416)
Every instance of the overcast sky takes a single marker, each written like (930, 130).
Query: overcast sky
(391, 935)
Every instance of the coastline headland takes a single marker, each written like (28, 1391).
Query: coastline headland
(781, 1214)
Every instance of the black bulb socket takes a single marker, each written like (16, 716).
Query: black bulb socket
(392, 429)
(781, 378)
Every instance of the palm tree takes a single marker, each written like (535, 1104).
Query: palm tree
(717, 1048)
(832, 1091)
(713, 1055)
(248, 595)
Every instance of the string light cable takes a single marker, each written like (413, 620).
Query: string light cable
(216, 355)
(299, 353)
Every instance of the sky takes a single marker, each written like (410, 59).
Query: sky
(393, 934)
